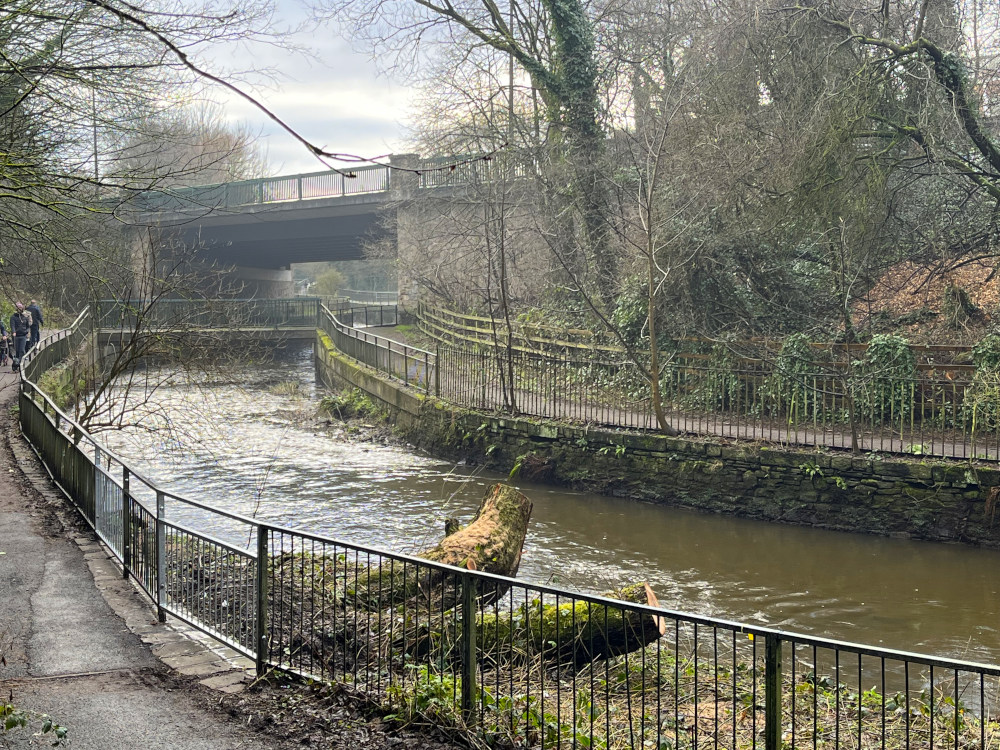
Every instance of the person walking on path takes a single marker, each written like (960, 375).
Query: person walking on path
(20, 329)
(36, 323)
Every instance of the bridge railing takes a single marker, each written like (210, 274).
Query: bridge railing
(298, 187)
(370, 297)
(377, 178)
(517, 663)
(293, 312)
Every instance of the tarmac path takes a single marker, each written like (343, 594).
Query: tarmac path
(77, 642)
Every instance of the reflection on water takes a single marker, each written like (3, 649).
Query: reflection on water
(251, 450)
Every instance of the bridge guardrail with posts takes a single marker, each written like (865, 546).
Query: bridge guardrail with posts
(334, 183)
(295, 312)
(512, 661)
(298, 187)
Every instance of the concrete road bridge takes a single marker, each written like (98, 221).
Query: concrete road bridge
(260, 228)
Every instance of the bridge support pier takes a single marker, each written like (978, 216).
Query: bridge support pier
(262, 283)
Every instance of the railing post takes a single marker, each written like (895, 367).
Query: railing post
(469, 649)
(263, 537)
(97, 490)
(299, 182)
(161, 557)
(126, 523)
(772, 692)
(437, 370)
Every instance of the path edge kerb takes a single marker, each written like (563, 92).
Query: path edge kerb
(177, 646)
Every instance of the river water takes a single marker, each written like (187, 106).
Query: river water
(249, 444)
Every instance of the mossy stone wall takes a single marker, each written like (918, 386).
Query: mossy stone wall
(923, 499)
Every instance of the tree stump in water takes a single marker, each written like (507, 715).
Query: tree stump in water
(491, 542)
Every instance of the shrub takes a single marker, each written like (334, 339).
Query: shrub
(885, 382)
(788, 390)
(350, 404)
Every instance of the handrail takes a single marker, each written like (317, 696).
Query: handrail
(400, 362)
(236, 611)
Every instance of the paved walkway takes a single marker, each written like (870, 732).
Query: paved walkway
(82, 645)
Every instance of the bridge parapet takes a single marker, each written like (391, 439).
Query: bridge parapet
(284, 189)
(403, 176)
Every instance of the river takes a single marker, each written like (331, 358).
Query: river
(248, 444)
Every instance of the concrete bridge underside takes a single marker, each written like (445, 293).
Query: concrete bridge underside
(261, 244)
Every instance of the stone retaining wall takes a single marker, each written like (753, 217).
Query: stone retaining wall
(923, 499)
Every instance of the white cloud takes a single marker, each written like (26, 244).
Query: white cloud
(336, 100)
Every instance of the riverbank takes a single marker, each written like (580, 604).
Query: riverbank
(919, 498)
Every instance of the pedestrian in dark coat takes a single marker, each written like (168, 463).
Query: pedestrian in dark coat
(36, 323)
(20, 329)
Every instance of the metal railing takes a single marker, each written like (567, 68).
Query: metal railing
(870, 412)
(365, 316)
(335, 183)
(370, 297)
(917, 416)
(511, 661)
(399, 362)
(298, 187)
(294, 312)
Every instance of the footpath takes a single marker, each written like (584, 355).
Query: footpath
(79, 644)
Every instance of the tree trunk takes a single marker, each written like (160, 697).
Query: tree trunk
(576, 632)
(491, 543)
(572, 634)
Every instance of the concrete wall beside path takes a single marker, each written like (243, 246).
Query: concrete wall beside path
(923, 499)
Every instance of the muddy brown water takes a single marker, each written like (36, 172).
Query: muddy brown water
(248, 446)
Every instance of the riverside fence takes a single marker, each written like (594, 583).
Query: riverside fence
(859, 409)
(866, 410)
(512, 662)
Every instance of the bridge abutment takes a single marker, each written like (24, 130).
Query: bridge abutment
(405, 184)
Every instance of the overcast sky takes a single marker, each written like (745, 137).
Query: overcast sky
(337, 100)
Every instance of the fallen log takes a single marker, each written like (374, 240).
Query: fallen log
(576, 632)
(572, 633)
(491, 542)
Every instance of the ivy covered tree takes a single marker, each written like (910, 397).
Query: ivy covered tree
(552, 43)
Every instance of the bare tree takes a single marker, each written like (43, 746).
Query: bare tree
(552, 43)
